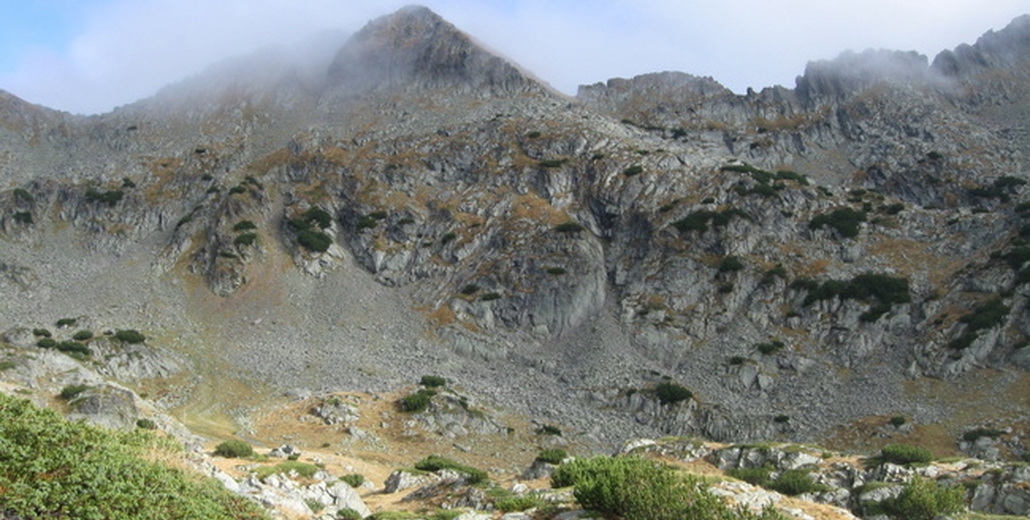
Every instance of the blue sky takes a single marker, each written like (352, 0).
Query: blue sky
(89, 56)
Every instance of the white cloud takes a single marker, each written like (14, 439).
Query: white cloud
(128, 49)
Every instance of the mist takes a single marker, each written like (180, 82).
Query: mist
(119, 51)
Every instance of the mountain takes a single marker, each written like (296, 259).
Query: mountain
(799, 259)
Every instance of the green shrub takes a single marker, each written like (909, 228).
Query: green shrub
(844, 220)
(23, 217)
(635, 488)
(470, 289)
(302, 469)
(24, 195)
(245, 239)
(417, 401)
(54, 468)
(792, 176)
(699, 220)
(549, 429)
(569, 227)
(781, 419)
(41, 333)
(432, 381)
(490, 296)
(905, 454)
(83, 335)
(515, 504)
(533, 135)
(146, 424)
(129, 336)
(244, 225)
(770, 347)
(46, 343)
(315, 241)
(552, 455)
(898, 421)
(110, 197)
(348, 514)
(74, 347)
(973, 435)
(366, 222)
(555, 270)
(552, 163)
(437, 463)
(66, 322)
(319, 216)
(127, 183)
(754, 476)
(636, 169)
(669, 393)
(925, 499)
(988, 315)
(234, 449)
(353, 480)
(70, 392)
(795, 482)
(730, 264)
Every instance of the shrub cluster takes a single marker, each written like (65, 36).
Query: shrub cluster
(635, 488)
(353, 480)
(569, 227)
(795, 482)
(552, 455)
(1000, 189)
(234, 449)
(669, 393)
(110, 197)
(844, 220)
(432, 381)
(884, 289)
(699, 220)
(437, 463)
(730, 264)
(925, 499)
(129, 336)
(905, 454)
(54, 468)
(417, 401)
(990, 314)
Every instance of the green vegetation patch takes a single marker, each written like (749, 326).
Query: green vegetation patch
(437, 463)
(417, 401)
(129, 336)
(881, 289)
(905, 454)
(433, 381)
(700, 220)
(552, 455)
(302, 469)
(636, 488)
(315, 241)
(109, 197)
(670, 393)
(844, 220)
(925, 499)
(234, 449)
(54, 468)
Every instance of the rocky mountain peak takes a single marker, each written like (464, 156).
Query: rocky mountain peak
(414, 48)
(1007, 48)
(851, 72)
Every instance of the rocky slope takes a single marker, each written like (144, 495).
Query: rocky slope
(823, 253)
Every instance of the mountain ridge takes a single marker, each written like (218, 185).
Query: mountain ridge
(451, 213)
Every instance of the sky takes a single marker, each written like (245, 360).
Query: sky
(90, 56)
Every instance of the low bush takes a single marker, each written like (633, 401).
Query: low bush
(129, 336)
(44, 333)
(70, 392)
(417, 401)
(245, 239)
(552, 163)
(46, 343)
(437, 463)
(844, 220)
(555, 270)
(109, 197)
(302, 469)
(795, 482)
(146, 424)
(973, 435)
(432, 381)
(635, 488)
(755, 476)
(24, 195)
(234, 449)
(770, 347)
(366, 222)
(669, 393)
(518, 503)
(23, 217)
(925, 499)
(569, 227)
(549, 429)
(319, 216)
(898, 421)
(353, 480)
(348, 514)
(636, 169)
(74, 347)
(244, 225)
(490, 296)
(905, 454)
(470, 289)
(315, 241)
(66, 322)
(552, 455)
(83, 335)
(730, 264)
(54, 468)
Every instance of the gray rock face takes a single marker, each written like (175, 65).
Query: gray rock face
(107, 406)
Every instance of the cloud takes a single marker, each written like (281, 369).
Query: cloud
(128, 49)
